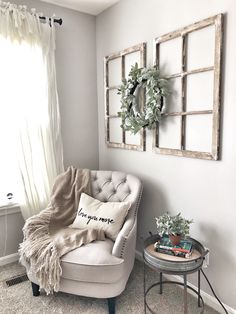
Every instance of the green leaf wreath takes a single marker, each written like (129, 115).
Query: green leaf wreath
(132, 116)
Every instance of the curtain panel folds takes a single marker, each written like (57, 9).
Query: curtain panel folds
(30, 102)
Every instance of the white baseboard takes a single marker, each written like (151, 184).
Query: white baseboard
(208, 299)
(9, 259)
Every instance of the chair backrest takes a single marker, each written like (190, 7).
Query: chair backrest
(114, 186)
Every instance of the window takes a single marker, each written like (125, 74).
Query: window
(116, 68)
(190, 59)
(23, 100)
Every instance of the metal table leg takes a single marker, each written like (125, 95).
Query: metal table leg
(144, 287)
(184, 285)
(185, 295)
(160, 283)
(199, 288)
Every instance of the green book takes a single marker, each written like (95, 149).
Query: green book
(185, 246)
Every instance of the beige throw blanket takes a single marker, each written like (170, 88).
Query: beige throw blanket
(47, 236)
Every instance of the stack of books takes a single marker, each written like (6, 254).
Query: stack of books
(183, 249)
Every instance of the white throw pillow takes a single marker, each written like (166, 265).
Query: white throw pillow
(94, 214)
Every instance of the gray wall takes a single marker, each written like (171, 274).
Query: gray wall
(200, 189)
(76, 77)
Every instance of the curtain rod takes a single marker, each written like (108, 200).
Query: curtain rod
(59, 21)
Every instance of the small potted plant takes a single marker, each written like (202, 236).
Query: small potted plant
(176, 227)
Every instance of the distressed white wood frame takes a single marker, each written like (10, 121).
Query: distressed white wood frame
(217, 21)
(121, 54)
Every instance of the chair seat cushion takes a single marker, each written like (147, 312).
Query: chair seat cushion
(93, 262)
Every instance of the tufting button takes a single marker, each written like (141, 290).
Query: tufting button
(99, 190)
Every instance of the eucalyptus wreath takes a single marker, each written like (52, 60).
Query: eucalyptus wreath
(132, 116)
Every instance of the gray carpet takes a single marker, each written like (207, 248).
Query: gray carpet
(18, 299)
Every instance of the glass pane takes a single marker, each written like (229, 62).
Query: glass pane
(199, 92)
(115, 130)
(170, 132)
(199, 133)
(201, 48)
(114, 72)
(173, 101)
(131, 138)
(170, 56)
(131, 59)
(114, 102)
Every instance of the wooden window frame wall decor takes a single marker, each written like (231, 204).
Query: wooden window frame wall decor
(216, 68)
(121, 54)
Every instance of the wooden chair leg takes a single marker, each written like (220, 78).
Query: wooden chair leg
(111, 305)
(35, 289)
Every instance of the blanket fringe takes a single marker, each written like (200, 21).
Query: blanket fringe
(41, 256)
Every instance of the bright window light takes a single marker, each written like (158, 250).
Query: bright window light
(23, 107)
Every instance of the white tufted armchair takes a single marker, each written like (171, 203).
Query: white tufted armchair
(101, 269)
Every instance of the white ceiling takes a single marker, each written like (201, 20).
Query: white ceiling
(93, 7)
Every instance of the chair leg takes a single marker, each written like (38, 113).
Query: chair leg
(35, 289)
(111, 305)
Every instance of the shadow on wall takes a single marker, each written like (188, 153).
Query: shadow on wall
(219, 259)
(153, 204)
(219, 248)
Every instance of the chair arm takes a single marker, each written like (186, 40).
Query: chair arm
(126, 238)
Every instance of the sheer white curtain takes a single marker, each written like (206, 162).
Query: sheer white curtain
(30, 139)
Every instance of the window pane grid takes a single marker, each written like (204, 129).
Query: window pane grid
(183, 75)
(109, 118)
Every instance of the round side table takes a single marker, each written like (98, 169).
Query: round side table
(167, 264)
